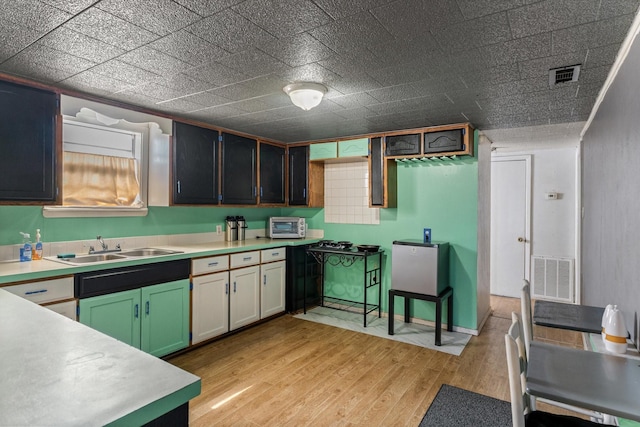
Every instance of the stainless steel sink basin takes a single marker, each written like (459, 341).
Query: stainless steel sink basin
(94, 258)
(148, 252)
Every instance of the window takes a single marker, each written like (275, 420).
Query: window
(105, 161)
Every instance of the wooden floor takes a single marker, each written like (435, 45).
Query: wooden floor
(292, 372)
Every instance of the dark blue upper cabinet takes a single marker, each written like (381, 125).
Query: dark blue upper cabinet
(27, 143)
(272, 168)
(239, 170)
(195, 165)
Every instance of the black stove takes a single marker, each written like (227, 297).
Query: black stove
(330, 244)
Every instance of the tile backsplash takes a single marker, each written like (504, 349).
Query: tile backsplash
(346, 194)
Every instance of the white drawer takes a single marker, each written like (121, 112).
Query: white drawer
(45, 290)
(243, 259)
(67, 308)
(209, 264)
(273, 254)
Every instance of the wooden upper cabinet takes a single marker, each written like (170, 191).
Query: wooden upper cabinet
(195, 164)
(239, 156)
(272, 174)
(27, 143)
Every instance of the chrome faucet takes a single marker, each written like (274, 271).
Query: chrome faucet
(105, 247)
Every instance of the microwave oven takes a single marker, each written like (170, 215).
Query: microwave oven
(286, 227)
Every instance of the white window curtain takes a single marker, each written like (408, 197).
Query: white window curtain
(100, 180)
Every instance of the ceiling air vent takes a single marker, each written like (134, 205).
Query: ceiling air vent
(563, 74)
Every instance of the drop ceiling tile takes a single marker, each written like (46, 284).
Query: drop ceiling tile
(355, 100)
(540, 67)
(234, 92)
(177, 105)
(399, 51)
(216, 112)
(81, 45)
(230, 31)
(35, 71)
(595, 34)
(394, 93)
(267, 85)
(90, 81)
(110, 29)
(310, 73)
(276, 99)
(551, 15)
(254, 63)
(416, 16)
(250, 105)
(216, 74)
(135, 99)
(601, 56)
(125, 72)
(32, 14)
(593, 75)
(43, 57)
(477, 8)
(207, 99)
(207, 7)
(491, 76)
(283, 18)
(487, 30)
(15, 38)
(344, 8)
(612, 8)
(359, 32)
(351, 85)
(356, 64)
(154, 61)
(298, 50)
(159, 16)
(163, 92)
(401, 73)
(71, 6)
(189, 48)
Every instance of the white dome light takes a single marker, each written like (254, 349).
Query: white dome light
(305, 95)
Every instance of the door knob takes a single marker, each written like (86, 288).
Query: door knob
(521, 239)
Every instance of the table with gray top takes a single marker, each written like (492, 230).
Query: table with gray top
(581, 318)
(590, 380)
(56, 371)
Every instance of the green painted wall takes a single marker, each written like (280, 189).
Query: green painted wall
(440, 195)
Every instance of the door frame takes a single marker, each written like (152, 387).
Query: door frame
(497, 157)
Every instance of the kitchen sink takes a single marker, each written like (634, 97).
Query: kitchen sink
(94, 258)
(119, 256)
(148, 252)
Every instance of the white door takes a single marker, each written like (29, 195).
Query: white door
(273, 288)
(510, 230)
(210, 306)
(244, 300)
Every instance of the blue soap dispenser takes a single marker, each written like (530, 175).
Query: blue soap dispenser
(25, 250)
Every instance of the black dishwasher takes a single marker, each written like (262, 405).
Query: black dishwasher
(102, 282)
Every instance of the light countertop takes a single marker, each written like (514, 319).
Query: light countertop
(16, 271)
(59, 372)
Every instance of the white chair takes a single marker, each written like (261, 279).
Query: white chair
(522, 413)
(527, 330)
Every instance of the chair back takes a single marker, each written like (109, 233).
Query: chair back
(526, 315)
(517, 366)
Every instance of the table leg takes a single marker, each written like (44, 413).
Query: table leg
(450, 312)
(438, 322)
(391, 298)
(407, 313)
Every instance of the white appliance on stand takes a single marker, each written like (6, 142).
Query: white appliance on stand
(420, 267)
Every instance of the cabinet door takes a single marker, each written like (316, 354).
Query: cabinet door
(272, 174)
(239, 164)
(165, 317)
(244, 300)
(324, 150)
(117, 315)
(210, 306)
(273, 288)
(195, 170)
(298, 175)
(27, 143)
(382, 177)
(353, 148)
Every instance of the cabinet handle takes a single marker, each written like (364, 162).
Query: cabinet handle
(226, 288)
(213, 264)
(304, 192)
(265, 280)
(135, 311)
(147, 308)
(261, 191)
(247, 258)
(254, 191)
(179, 187)
(275, 253)
(40, 291)
(234, 287)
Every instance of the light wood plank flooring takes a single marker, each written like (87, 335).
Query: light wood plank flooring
(292, 372)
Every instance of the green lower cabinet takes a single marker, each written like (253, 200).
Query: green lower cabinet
(154, 318)
(116, 315)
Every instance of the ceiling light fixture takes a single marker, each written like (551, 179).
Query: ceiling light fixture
(305, 95)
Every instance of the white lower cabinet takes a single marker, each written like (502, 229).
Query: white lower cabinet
(244, 296)
(272, 293)
(210, 306)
